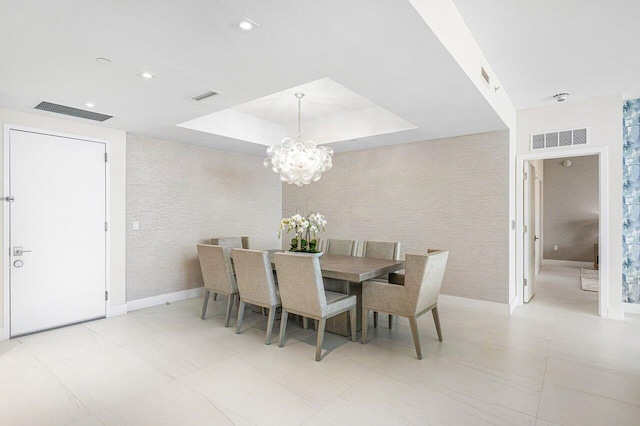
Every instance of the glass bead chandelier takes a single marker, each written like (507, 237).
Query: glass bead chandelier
(299, 162)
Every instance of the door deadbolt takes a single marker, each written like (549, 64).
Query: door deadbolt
(18, 263)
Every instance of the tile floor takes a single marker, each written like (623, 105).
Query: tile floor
(552, 362)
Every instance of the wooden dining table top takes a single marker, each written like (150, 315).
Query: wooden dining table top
(352, 268)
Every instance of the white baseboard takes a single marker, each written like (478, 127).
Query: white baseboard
(117, 310)
(571, 263)
(163, 298)
(513, 305)
(481, 305)
(615, 313)
(632, 308)
(2, 336)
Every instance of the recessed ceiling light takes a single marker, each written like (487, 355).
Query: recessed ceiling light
(90, 105)
(146, 74)
(103, 61)
(561, 97)
(246, 24)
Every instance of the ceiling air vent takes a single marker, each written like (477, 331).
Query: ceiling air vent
(204, 95)
(485, 75)
(562, 138)
(74, 112)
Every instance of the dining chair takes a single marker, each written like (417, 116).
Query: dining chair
(217, 274)
(254, 276)
(381, 250)
(230, 243)
(418, 295)
(302, 293)
(341, 247)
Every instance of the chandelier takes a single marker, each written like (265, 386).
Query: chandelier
(298, 161)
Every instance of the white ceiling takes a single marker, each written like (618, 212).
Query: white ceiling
(332, 113)
(542, 47)
(380, 49)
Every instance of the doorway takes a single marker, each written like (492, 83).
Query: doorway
(55, 229)
(568, 225)
(599, 220)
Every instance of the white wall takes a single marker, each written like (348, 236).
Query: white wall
(603, 115)
(117, 140)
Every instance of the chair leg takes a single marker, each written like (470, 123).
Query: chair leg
(436, 319)
(375, 319)
(416, 336)
(283, 326)
(352, 319)
(240, 316)
(205, 303)
(321, 326)
(315, 325)
(365, 325)
(272, 318)
(238, 301)
(390, 321)
(229, 307)
(305, 323)
(215, 296)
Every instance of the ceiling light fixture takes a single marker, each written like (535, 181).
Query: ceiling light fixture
(146, 74)
(103, 61)
(246, 24)
(561, 97)
(90, 105)
(298, 161)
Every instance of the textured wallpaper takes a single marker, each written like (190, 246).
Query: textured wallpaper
(184, 194)
(631, 202)
(447, 194)
(571, 208)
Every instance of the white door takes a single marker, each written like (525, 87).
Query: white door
(57, 226)
(529, 230)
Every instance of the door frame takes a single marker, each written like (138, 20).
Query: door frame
(6, 226)
(603, 217)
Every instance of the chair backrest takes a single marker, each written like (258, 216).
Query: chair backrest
(381, 250)
(300, 283)
(217, 271)
(423, 278)
(231, 242)
(322, 244)
(341, 247)
(254, 276)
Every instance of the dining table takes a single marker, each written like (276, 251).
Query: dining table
(345, 274)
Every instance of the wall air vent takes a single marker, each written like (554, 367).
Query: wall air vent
(74, 112)
(204, 95)
(560, 139)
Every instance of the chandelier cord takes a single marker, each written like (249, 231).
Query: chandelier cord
(299, 115)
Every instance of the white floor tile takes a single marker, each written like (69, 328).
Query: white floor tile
(171, 404)
(36, 397)
(15, 358)
(106, 377)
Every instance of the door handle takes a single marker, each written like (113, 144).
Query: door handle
(18, 251)
(536, 238)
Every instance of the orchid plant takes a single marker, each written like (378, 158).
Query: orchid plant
(305, 229)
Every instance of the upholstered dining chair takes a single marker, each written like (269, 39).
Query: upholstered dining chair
(254, 276)
(230, 243)
(217, 274)
(302, 293)
(341, 247)
(418, 295)
(381, 250)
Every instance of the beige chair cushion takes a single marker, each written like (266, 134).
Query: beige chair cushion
(229, 242)
(217, 272)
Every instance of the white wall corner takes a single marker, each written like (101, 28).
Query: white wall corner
(2, 335)
(480, 305)
(117, 310)
(164, 298)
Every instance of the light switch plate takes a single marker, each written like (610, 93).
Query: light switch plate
(136, 226)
